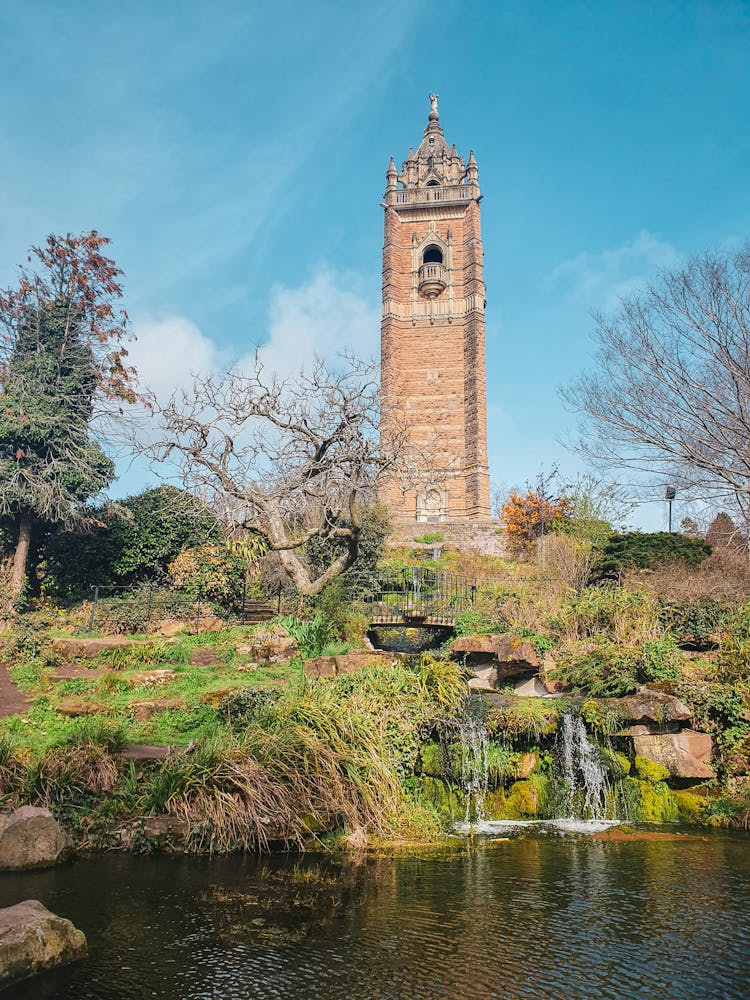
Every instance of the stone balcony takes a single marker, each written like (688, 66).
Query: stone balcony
(445, 193)
(432, 280)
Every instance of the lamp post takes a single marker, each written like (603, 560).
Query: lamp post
(669, 496)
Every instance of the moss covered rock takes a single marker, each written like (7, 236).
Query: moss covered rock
(442, 798)
(654, 801)
(650, 770)
(691, 806)
(521, 801)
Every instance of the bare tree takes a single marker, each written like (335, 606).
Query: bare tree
(670, 396)
(285, 459)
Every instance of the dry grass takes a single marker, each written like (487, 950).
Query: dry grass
(65, 771)
(723, 576)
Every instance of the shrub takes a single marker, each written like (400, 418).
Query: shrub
(333, 604)
(626, 615)
(312, 636)
(478, 623)
(695, 623)
(644, 550)
(606, 671)
(661, 660)
(137, 538)
(210, 573)
(429, 538)
(244, 705)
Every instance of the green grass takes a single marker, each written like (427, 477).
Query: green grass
(42, 727)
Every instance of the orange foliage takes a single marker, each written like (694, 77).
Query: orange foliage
(526, 516)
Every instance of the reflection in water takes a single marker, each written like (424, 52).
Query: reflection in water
(536, 917)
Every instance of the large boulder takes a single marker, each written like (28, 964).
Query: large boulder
(75, 707)
(270, 644)
(484, 678)
(513, 655)
(476, 645)
(684, 754)
(532, 687)
(31, 838)
(657, 711)
(146, 708)
(516, 657)
(33, 940)
(75, 649)
(348, 663)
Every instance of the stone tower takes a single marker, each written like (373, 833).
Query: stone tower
(432, 334)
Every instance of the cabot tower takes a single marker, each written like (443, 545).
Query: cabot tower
(432, 334)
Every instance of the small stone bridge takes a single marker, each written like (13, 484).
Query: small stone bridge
(419, 596)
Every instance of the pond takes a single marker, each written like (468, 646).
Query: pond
(535, 916)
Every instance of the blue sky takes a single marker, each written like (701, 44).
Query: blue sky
(235, 153)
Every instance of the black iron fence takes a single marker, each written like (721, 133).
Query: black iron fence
(116, 608)
(418, 593)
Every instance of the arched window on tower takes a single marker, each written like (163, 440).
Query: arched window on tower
(432, 255)
(432, 184)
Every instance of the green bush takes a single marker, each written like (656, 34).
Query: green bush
(541, 643)
(477, 623)
(661, 660)
(312, 636)
(210, 573)
(608, 671)
(603, 610)
(245, 705)
(428, 539)
(642, 550)
(695, 623)
(134, 540)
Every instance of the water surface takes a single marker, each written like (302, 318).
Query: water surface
(534, 917)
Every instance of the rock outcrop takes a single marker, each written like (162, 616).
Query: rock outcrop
(512, 655)
(33, 940)
(87, 649)
(269, 645)
(31, 838)
(685, 754)
(348, 663)
(657, 711)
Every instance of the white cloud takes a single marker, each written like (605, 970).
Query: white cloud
(323, 318)
(602, 279)
(169, 351)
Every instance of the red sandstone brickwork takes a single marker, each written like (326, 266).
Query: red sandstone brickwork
(432, 346)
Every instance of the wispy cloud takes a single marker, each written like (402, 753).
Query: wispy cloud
(167, 353)
(326, 316)
(603, 279)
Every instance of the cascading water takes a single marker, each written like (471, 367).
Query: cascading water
(474, 742)
(583, 779)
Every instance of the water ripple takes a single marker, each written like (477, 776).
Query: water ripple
(532, 918)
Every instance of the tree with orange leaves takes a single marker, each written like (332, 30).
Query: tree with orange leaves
(62, 364)
(526, 517)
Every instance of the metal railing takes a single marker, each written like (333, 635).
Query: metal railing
(418, 594)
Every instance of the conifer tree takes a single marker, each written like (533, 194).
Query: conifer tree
(61, 358)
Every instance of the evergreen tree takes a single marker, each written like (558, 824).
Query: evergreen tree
(61, 356)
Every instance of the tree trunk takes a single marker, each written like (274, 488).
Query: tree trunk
(20, 557)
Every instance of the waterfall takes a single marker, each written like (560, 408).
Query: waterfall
(580, 770)
(474, 742)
